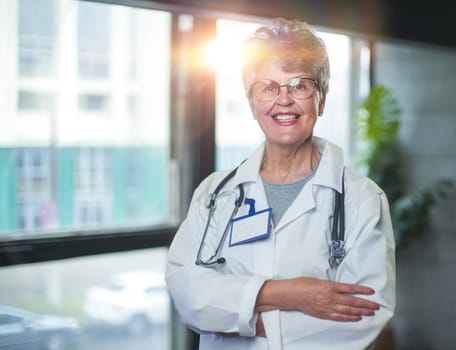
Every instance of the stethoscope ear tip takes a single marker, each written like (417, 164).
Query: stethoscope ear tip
(221, 260)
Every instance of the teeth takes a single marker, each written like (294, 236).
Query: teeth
(285, 117)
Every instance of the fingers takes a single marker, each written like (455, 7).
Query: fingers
(348, 308)
(357, 302)
(346, 291)
(347, 313)
(343, 318)
(349, 288)
(352, 309)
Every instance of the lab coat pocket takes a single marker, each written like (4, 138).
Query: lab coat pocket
(239, 259)
(246, 232)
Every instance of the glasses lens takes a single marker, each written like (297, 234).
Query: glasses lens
(268, 90)
(265, 90)
(301, 88)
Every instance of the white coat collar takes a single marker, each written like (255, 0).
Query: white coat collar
(329, 171)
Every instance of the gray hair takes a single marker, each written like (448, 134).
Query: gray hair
(293, 45)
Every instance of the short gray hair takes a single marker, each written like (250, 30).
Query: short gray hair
(293, 45)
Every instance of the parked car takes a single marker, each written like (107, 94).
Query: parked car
(132, 302)
(26, 330)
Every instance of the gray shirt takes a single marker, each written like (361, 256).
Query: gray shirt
(280, 196)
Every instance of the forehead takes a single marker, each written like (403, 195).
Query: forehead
(273, 70)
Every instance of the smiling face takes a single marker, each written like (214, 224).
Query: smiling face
(286, 122)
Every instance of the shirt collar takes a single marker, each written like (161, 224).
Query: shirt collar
(328, 173)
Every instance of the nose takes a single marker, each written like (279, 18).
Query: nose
(284, 97)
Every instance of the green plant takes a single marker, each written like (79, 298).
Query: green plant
(377, 126)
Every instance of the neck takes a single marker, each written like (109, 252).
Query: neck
(289, 165)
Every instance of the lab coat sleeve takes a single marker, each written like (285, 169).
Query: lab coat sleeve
(369, 260)
(206, 299)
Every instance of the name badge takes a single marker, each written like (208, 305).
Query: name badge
(252, 227)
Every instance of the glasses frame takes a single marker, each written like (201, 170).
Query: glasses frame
(287, 85)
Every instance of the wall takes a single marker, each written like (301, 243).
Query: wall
(423, 79)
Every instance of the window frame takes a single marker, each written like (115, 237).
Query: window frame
(83, 243)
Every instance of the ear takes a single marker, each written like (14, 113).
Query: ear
(321, 105)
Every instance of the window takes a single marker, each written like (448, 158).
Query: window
(84, 153)
(92, 103)
(35, 206)
(87, 141)
(93, 199)
(334, 124)
(232, 106)
(37, 34)
(94, 40)
(31, 101)
(114, 301)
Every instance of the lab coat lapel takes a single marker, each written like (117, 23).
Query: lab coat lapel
(303, 203)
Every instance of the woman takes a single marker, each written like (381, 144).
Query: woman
(270, 285)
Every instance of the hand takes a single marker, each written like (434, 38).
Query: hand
(260, 332)
(333, 300)
(319, 298)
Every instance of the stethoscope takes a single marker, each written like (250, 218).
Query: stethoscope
(336, 245)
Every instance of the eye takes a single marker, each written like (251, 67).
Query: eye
(270, 87)
(299, 87)
(301, 84)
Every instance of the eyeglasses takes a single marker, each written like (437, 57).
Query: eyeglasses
(299, 88)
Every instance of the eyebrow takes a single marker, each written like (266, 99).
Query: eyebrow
(288, 81)
(297, 77)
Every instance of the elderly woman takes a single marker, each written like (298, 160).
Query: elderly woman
(291, 250)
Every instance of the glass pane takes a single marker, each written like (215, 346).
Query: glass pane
(84, 140)
(334, 124)
(94, 40)
(37, 36)
(233, 110)
(114, 301)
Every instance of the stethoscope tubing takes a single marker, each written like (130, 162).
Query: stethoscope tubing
(213, 259)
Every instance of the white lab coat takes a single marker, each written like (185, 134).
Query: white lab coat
(222, 298)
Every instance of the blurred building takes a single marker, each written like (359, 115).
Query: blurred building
(84, 115)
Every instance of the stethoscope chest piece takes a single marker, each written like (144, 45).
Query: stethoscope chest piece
(336, 252)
